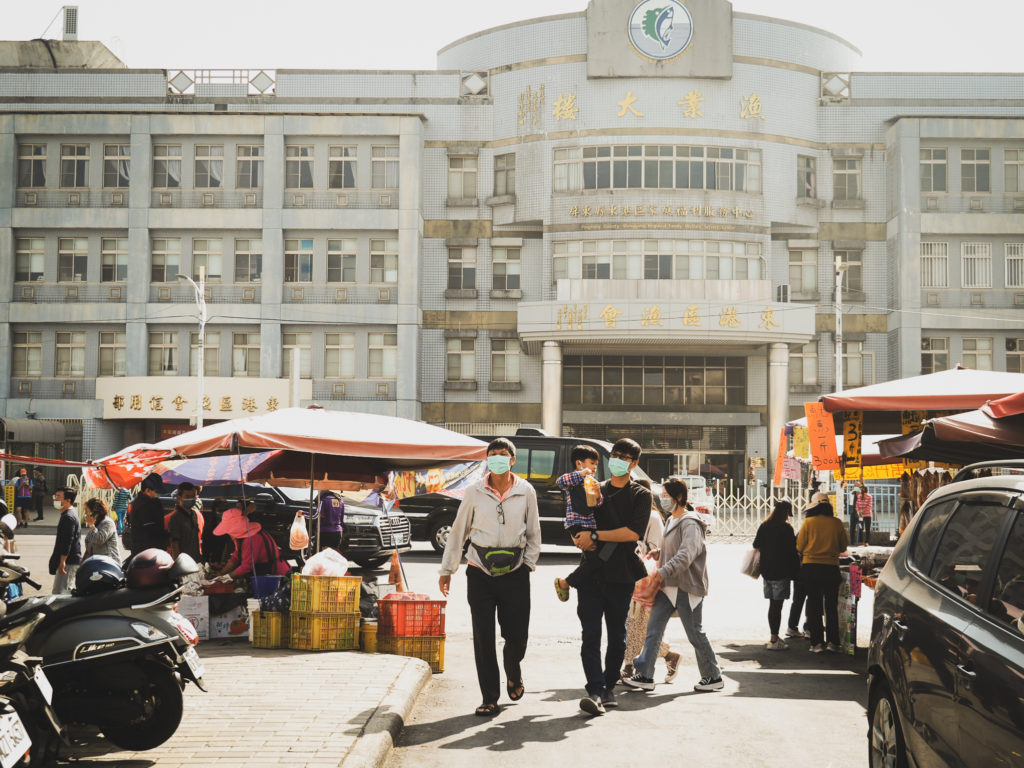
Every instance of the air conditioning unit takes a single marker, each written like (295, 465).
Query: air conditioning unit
(782, 293)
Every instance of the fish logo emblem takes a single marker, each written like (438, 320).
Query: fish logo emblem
(660, 29)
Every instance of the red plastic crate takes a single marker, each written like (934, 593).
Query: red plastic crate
(411, 618)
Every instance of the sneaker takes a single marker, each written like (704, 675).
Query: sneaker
(794, 632)
(608, 700)
(672, 662)
(627, 672)
(707, 684)
(591, 705)
(639, 683)
(832, 648)
(819, 648)
(778, 645)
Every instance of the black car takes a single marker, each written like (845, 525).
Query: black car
(369, 539)
(541, 460)
(946, 662)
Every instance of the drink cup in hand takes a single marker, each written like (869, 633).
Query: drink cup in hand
(592, 489)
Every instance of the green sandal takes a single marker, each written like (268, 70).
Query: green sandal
(562, 592)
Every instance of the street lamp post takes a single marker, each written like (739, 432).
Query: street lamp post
(200, 291)
(840, 268)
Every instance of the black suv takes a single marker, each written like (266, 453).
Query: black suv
(369, 539)
(946, 662)
(541, 460)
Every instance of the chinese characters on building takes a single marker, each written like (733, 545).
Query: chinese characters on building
(134, 402)
(576, 317)
(664, 211)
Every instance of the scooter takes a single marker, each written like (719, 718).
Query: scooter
(119, 658)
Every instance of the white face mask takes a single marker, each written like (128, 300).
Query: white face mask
(57, 505)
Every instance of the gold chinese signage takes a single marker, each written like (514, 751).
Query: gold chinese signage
(649, 210)
(157, 397)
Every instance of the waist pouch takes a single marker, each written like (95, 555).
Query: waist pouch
(498, 561)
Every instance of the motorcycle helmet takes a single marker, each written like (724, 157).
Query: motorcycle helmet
(150, 568)
(98, 573)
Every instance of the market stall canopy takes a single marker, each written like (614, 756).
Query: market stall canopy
(1012, 405)
(214, 470)
(962, 438)
(958, 389)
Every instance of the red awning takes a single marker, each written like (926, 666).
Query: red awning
(959, 389)
(1005, 406)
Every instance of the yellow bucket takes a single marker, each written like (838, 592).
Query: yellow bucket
(368, 636)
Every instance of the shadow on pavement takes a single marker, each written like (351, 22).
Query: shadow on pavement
(511, 734)
(811, 686)
(797, 657)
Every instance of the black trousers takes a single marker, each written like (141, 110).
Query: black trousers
(822, 585)
(597, 600)
(796, 608)
(508, 597)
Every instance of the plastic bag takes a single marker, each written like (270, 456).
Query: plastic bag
(751, 564)
(642, 589)
(299, 537)
(329, 562)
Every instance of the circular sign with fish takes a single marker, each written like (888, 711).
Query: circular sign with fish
(660, 29)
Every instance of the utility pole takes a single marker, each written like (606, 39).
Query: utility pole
(200, 291)
(840, 268)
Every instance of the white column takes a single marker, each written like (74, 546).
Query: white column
(551, 388)
(778, 399)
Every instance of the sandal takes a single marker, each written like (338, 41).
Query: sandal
(487, 710)
(513, 687)
(562, 592)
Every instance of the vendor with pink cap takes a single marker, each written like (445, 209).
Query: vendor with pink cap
(256, 552)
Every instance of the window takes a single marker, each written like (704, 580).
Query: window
(975, 170)
(341, 167)
(1014, 265)
(248, 260)
(72, 259)
(116, 165)
(339, 355)
(112, 353)
(566, 171)
(298, 167)
(249, 166)
(211, 353)
(933, 520)
(207, 259)
(1007, 602)
(803, 271)
(1015, 355)
(383, 356)
(69, 359)
(384, 261)
(977, 353)
(298, 261)
(506, 268)
(302, 345)
(934, 265)
(1013, 164)
(966, 545)
(461, 269)
(113, 259)
(505, 360)
(665, 167)
(30, 254)
(166, 258)
(462, 178)
(74, 165)
(341, 261)
(734, 169)
(803, 366)
(806, 177)
(384, 166)
(846, 178)
(245, 354)
(209, 166)
(166, 166)
(853, 275)
(460, 360)
(542, 464)
(163, 353)
(28, 353)
(636, 259)
(933, 170)
(976, 265)
(853, 364)
(689, 167)
(632, 380)
(31, 165)
(934, 354)
(505, 174)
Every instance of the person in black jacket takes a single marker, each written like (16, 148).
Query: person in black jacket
(780, 564)
(145, 527)
(67, 547)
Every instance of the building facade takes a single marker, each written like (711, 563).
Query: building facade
(627, 220)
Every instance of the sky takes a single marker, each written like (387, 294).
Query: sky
(894, 35)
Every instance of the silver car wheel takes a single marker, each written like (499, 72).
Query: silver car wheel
(884, 739)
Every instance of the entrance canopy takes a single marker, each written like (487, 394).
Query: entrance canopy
(958, 389)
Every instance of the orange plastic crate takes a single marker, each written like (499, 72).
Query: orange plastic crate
(325, 594)
(430, 649)
(324, 631)
(269, 629)
(411, 618)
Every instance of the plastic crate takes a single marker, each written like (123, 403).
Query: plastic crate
(324, 631)
(325, 594)
(430, 649)
(269, 630)
(411, 618)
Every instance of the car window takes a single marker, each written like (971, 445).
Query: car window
(966, 545)
(929, 527)
(542, 464)
(1007, 603)
(522, 465)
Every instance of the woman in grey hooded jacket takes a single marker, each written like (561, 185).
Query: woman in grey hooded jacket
(682, 584)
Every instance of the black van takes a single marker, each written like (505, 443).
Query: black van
(541, 460)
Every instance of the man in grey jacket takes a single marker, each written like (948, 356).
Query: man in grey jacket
(498, 517)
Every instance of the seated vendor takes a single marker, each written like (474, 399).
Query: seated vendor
(255, 554)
